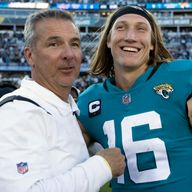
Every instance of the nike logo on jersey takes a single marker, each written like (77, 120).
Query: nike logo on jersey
(164, 90)
(94, 108)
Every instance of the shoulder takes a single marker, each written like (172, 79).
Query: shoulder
(179, 74)
(180, 65)
(26, 110)
(91, 94)
(92, 90)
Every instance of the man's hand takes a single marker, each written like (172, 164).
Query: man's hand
(115, 160)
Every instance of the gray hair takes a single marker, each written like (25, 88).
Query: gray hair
(30, 35)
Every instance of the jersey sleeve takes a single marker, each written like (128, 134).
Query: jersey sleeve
(183, 69)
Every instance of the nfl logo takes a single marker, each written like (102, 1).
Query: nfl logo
(22, 167)
(126, 99)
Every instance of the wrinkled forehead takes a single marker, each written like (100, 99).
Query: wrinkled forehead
(56, 25)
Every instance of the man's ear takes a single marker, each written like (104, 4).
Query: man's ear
(28, 55)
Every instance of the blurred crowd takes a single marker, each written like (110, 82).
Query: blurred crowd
(8, 84)
(11, 46)
(179, 44)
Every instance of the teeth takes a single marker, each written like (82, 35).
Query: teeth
(130, 49)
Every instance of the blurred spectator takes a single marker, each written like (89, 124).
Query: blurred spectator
(6, 87)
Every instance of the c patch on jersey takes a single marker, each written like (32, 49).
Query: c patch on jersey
(94, 108)
(164, 90)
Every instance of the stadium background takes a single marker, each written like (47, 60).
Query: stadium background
(174, 17)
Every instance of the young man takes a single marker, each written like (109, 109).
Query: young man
(41, 144)
(145, 105)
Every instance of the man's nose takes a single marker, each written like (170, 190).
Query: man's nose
(130, 34)
(67, 52)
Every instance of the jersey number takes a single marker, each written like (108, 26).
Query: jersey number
(131, 147)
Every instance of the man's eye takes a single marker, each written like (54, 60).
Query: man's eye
(53, 44)
(142, 28)
(119, 27)
(75, 44)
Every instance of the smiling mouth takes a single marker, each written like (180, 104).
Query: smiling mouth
(131, 49)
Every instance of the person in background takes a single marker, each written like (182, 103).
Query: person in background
(6, 87)
(41, 145)
(145, 105)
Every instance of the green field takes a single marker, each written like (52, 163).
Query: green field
(105, 188)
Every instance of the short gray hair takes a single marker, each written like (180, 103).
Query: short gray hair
(30, 35)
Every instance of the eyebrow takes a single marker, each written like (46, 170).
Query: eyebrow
(76, 39)
(59, 38)
(125, 23)
(53, 38)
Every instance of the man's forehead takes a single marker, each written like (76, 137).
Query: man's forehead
(132, 18)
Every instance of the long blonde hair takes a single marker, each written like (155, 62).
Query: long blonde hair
(102, 60)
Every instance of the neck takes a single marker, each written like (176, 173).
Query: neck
(125, 79)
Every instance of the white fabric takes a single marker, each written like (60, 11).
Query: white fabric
(94, 148)
(51, 144)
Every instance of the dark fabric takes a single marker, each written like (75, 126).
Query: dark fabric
(130, 10)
